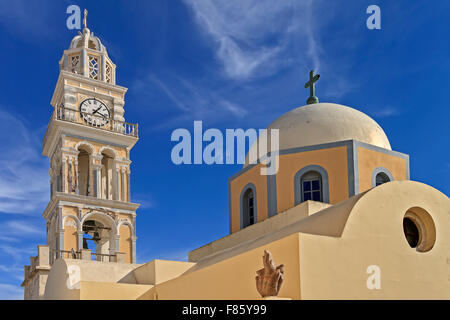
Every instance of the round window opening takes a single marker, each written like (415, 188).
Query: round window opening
(419, 229)
(411, 232)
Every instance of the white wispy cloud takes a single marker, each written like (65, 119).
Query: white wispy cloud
(4, 268)
(29, 19)
(194, 101)
(17, 253)
(20, 227)
(386, 112)
(12, 271)
(10, 292)
(24, 181)
(253, 37)
(145, 200)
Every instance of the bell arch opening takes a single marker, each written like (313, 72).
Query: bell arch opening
(99, 236)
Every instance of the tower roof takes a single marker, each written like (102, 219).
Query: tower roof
(87, 40)
(87, 56)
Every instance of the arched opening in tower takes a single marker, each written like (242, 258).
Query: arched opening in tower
(83, 172)
(97, 237)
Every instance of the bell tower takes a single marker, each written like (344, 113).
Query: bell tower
(90, 214)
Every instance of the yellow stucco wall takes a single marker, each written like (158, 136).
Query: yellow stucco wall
(68, 210)
(236, 187)
(66, 277)
(158, 271)
(333, 160)
(234, 278)
(369, 160)
(70, 239)
(125, 242)
(258, 230)
(326, 256)
(331, 253)
(373, 235)
(70, 229)
(112, 291)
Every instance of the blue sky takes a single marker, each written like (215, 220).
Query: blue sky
(231, 64)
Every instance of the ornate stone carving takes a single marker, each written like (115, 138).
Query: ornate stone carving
(270, 278)
(69, 174)
(112, 214)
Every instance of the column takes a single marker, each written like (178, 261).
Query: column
(84, 68)
(97, 180)
(113, 74)
(128, 185)
(76, 177)
(80, 240)
(90, 190)
(117, 242)
(80, 215)
(63, 173)
(60, 243)
(116, 182)
(123, 184)
(102, 70)
(133, 238)
(69, 175)
(60, 232)
(96, 169)
(66, 63)
(118, 112)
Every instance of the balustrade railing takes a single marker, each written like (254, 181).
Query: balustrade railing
(103, 257)
(97, 121)
(64, 254)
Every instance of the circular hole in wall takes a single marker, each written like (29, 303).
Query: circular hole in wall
(419, 229)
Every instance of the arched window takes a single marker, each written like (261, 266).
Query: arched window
(312, 186)
(381, 178)
(248, 206)
(311, 183)
(381, 175)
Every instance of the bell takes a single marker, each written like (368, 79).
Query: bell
(96, 237)
(85, 245)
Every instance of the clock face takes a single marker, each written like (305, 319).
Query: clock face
(94, 112)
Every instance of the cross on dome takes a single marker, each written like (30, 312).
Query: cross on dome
(311, 85)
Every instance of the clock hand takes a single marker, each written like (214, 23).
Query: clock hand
(102, 115)
(97, 110)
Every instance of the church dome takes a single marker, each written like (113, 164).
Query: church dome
(321, 123)
(327, 122)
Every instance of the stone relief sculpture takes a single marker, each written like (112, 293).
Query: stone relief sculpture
(270, 278)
